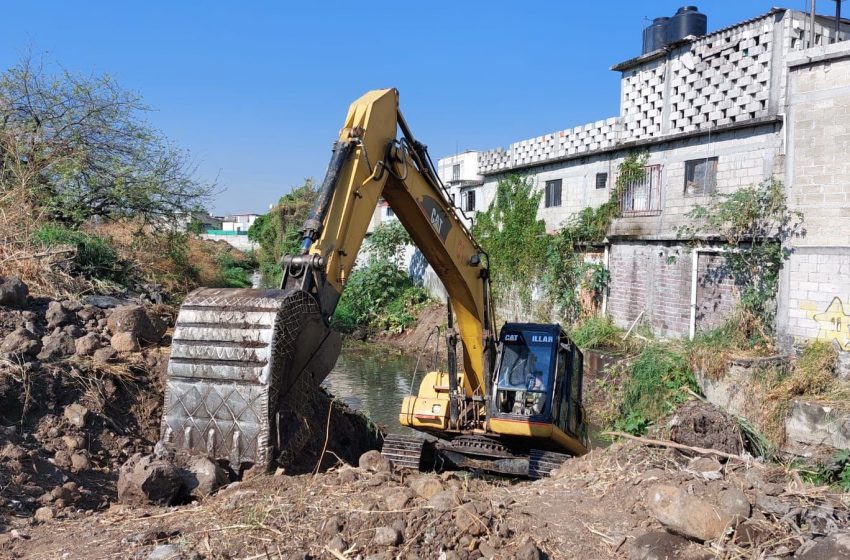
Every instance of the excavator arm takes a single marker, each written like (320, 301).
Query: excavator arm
(370, 162)
(244, 363)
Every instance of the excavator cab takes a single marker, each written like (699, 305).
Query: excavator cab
(537, 384)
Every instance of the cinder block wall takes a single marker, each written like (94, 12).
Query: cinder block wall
(814, 302)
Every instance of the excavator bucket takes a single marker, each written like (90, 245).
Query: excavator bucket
(244, 365)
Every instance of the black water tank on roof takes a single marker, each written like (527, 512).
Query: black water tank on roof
(655, 35)
(687, 21)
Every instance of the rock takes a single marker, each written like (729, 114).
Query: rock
(772, 504)
(146, 480)
(444, 501)
(62, 459)
(707, 467)
(75, 331)
(833, 547)
(125, 342)
(426, 486)
(487, 550)
(80, 461)
(332, 526)
(750, 534)
(105, 355)
(76, 415)
(13, 292)
(135, 320)
(74, 442)
(735, 503)
(89, 313)
(468, 521)
(398, 499)
(373, 461)
(21, 342)
(164, 552)
(202, 477)
(528, 551)
(103, 302)
(386, 536)
(685, 514)
(88, 344)
(660, 545)
(337, 543)
(56, 315)
(44, 514)
(56, 346)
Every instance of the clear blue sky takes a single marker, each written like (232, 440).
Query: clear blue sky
(257, 90)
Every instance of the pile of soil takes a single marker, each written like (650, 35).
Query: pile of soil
(81, 391)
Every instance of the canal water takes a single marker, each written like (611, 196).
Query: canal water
(374, 379)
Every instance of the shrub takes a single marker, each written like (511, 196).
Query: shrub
(95, 257)
(657, 383)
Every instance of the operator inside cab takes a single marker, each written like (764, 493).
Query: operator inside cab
(523, 378)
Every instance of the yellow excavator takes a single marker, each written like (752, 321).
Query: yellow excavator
(244, 361)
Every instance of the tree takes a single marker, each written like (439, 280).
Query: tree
(278, 232)
(514, 237)
(77, 147)
(755, 223)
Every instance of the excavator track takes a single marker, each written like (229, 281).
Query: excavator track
(404, 452)
(242, 369)
(542, 463)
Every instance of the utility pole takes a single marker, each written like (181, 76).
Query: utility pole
(837, 21)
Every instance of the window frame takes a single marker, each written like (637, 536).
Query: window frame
(653, 198)
(466, 197)
(549, 199)
(604, 184)
(707, 190)
(455, 172)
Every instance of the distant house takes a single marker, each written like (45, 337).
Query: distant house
(239, 223)
(206, 221)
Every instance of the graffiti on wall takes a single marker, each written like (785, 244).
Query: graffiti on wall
(833, 322)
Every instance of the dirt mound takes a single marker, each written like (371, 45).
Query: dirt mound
(603, 505)
(701, 424)
(73, 408)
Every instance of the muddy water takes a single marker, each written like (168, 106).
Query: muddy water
(373, 379)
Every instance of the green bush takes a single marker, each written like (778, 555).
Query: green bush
(234, 274)
(596, 332)
(657, 383)
(95, 257)
(381, 294)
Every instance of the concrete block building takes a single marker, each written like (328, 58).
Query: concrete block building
(764, 98)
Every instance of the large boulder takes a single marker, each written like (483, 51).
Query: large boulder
(202, 477)
(135, 320)
(13, 292)
(144, 479)
(56, 346)
(688, 515)
(21, 342)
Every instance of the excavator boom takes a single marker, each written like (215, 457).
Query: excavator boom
(244, 362)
